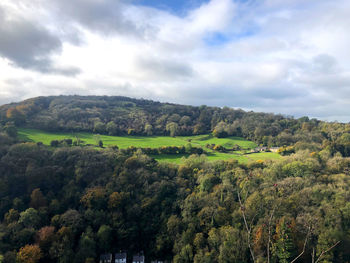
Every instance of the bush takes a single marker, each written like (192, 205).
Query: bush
(54, 143)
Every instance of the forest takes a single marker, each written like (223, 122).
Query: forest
(73, 203)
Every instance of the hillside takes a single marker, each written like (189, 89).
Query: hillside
(84, 176)
(126, 116)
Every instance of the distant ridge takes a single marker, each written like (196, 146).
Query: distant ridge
(118, 115)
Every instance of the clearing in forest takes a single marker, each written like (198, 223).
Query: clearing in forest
(34, 135)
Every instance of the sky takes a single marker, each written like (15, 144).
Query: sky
(283, 56)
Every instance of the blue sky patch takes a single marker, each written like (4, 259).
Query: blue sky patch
(217, 38)
(178, 7)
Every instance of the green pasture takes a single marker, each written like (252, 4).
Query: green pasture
(215, 156)
(228, 142)
(122, 142)
(137, 141)
(89, 138)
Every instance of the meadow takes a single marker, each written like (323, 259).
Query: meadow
(33, 135)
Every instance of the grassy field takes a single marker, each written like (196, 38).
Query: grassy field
(155, 142)
(243, 158)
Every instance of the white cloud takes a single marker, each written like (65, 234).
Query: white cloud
(214, 16)
(277, 56)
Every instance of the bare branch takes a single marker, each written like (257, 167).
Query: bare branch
(325, 251)
(251, 222)
(269, 240)
(305, 242)
(246, 225)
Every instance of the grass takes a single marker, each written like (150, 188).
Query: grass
(170, 158)
(89, 138)
(34, 135)
(263, 156)
(228, 142)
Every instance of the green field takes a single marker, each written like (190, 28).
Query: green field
(33, 135)
(215, 156)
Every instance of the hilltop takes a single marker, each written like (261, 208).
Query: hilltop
(126, 116)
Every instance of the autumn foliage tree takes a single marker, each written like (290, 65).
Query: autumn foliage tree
(45, 237)
(29, 254)
(15, 115)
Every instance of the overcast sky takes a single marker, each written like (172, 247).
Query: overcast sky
(282, 56)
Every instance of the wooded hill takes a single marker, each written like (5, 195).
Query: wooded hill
(71, 203)
(122, 115)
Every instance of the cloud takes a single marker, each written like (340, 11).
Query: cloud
(324, 64)
(29, 45)
(164, 68)
(213, 16)
(26, 44)
(283, 56)
(106, 17)
(66, 71)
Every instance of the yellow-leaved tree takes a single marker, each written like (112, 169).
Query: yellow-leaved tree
(29, 254)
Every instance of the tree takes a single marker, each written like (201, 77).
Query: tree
(13, 114)
(148, 129)
(11, 216)
(98, 141)
(29, 218)
(247, 226)
(185, 255)
(37, 199)
(199, 129)
(231, 247)
(45, 237)
(29, 254)
(112, 128)
(220, 130)
(172, 128)
(174, 118)
(104, 236)
(131, 131)
(284, 247)
(95, 198)
(54, 143)
(72, 219)
(10, 130)
(99, 127)
(87, 246)
(185, 120)
(62, 248)
(9, 257)
(115, 200)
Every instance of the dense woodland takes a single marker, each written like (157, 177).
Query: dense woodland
(72, 203)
